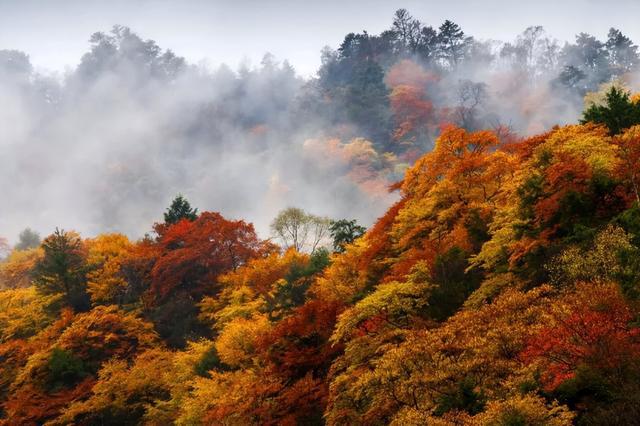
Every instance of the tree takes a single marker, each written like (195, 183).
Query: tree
(22, 313)
(62, 270)
(618, 113)
(413, 115)
(344, 232)
(125, 391)
(471, 97)
(194, 254)
(573, 78)
(63, 367)
(189, 259)
(622, 53)
(529, 409)
(122, 50)
(407, 28)
(367, 99)
(105, 282)
(180, 209)
(28, 239)
(391, 305)
(300, 230)
(588, 54)
(629, 167)
(587, 353)
(452, 43)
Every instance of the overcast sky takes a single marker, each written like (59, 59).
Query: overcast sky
(55, 32)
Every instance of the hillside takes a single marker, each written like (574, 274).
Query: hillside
(502, 288)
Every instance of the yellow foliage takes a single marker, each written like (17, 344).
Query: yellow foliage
(236, 343)
(105, 254)
(124, 390)
(599, 97)
(342, 280)
(228, 398)
(235, 303)
(588, 142)
(249, 289)
(529, 409)
(395, 302)
(23, 313)
(104, 333)
(381, 378)
(600, 263)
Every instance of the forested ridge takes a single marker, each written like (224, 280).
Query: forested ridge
(501, 287)
(134, 123)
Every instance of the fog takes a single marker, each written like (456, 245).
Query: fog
(109, 146)
(105, 146)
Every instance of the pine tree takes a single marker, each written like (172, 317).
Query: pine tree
(452, 42)
(180, 209)
(618, 113)
(63, 269)
(28, 239)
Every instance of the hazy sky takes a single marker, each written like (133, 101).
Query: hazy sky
(55, 32)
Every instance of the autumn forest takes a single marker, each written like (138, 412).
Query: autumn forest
(500, 285)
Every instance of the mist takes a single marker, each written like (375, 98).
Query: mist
(105, 146)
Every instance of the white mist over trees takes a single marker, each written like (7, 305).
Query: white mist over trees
(108, 146)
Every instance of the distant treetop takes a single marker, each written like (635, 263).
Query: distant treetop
(618, 111)
(180, 209)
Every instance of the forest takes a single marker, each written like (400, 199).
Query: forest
(134, 124)
(500, 284)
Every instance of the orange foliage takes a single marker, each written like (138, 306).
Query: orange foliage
(31, 406)
(16, 270)
(260, 274)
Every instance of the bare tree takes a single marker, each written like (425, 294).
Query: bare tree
(471, 96)
(300, 230)
(407, 28)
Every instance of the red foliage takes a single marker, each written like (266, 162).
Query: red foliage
(409, 258)
(30, 405)
(372, 325)
(414, 114)
(300, 344)
(298, 352)
(628, 169)
(595, 332)
(567, 174)
(302, 402)
(194, 254)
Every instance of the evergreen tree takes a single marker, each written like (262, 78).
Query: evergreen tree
(180, 209)
(345, 232)
(368, 101)
(618, 113)
(452, 43)
(573, 78)
(28, 239)
(623, 54)
(62, 270)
